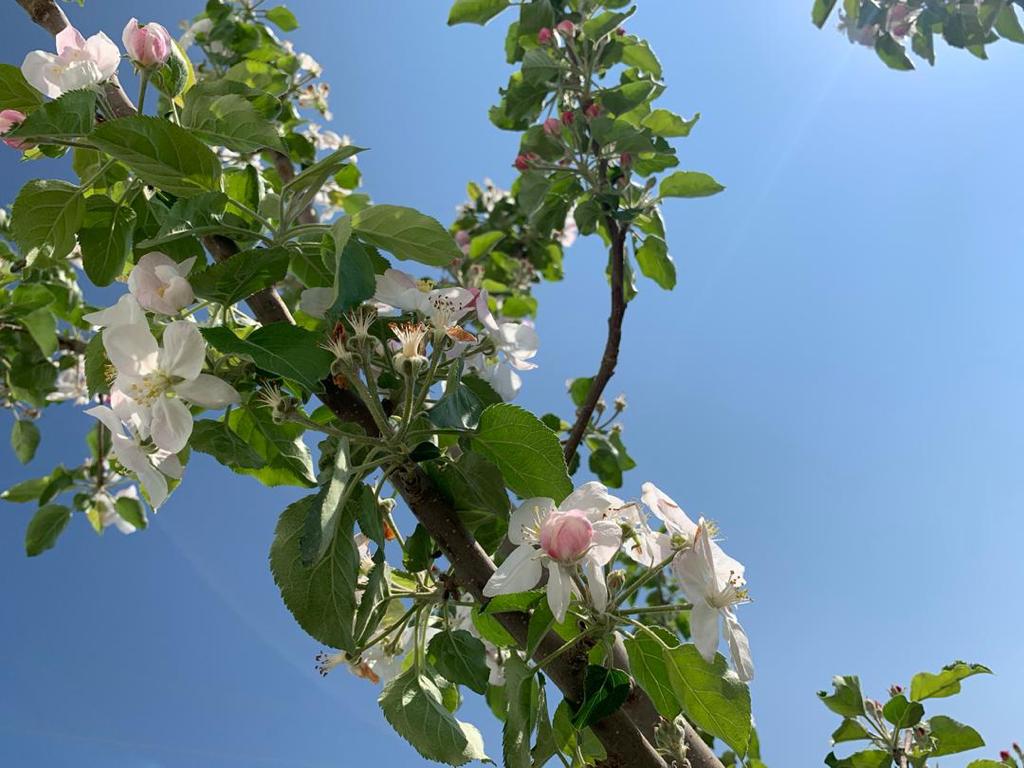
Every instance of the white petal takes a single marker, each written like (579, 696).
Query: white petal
(398, 289)
(528, 516)
(126, 311)
(78, 75)
(704, 627)
(131, 348)
(606, 541)
(559, 591)
(591, 496)
(504, 380)
(104, 53)
(69, 38)
(207, 391)
(154, 483)
(520, 571)
(107, 418)
(171, 425)
(184, 350)
(168, 464)
(665, 509)
(594, 572)
(35, 68)
(739, 646)
(316, 301)
(693, 576)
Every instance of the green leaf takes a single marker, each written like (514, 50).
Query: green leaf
(322, 598)
(604, 692)
(45, 526)
(461, 658)
(603, 23)
(283, 18)
(354, 280)
(850, 730)
(106, 238)
(952, 737)
(218, 440)
(287, 350)
(298, 194)
(821, 11)
(846, 700)
(492, 630)
(640, 55)
(520, 701)
(373, 605)
(528, 454)
(419, 551)
(868, 758)
(413, 705)
(902, 713)
(539, 68)
(26, 490)
(47, 213)
(1008, 25)
(96, 365)
(689, 184)
(662, 122)
(280, 445)
(161, 153)
(328, 506)
(227, 119)
(68, 117)
(24, 440)
(232, 280)
(131, 511)
(986, 764)
(475, 11)
(42, 327)
(408, 234)
(925, 685)
(649, 665)
(655, 262)
(712, 698)
(15, 92)
(514, 602)
(893, 53)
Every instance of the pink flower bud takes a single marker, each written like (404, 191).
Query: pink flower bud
(1004, 756)
(621, 32)
(593, 110)
(148, 46)
(544, 36)
(625, 160)
(522, 163)
(566, 536)
(552, 126)
(568, 117)
(462, 239)
(566, 28)
(9, 120)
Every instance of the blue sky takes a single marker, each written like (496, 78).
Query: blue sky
(837, 381)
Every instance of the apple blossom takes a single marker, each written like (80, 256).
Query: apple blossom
(148, 46)
(125, 312)
(159, 283)
(544, 36)
(462, 239)
(9, 120)
(411, 338)
(159, 380)
(444, 307)
(562, 539)
(78, 63)
(552, 126)
(711, 581)
(71, 385)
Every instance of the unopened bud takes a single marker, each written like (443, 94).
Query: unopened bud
(601, 406)
(620, 403)
(9, 120)
(1004, 756)
(621, 31)
(544, 36)
(148, 45)
(895, 689)
(566, 28)
(552, 126)
(568, 117)
(387, 506)
(593, 110)
(625, 160)
(522, 163)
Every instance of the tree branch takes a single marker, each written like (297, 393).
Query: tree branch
(610, 358)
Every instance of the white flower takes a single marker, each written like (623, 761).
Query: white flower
(316, 301)
(108, 509)
(126, 312)
(201, 27)
(515, 344)
(569, 231)
(78, 63)
(443, 307)
(714, 582)
(159, 283)
(129, 451)
(71, 385)
(309, 64)
(411, 337)
(159, 380)
(562, 539)
(324, 139)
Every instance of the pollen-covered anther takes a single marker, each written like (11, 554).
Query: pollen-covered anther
(325, 662)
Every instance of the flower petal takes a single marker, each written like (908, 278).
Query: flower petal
(606, 542)
(316, 301)
(131, 348)
(704, 627)
(207, 391)
(528, 517)
(666, 510)
(126, 311)
(559, 589)
(594, 572)
(184, 350)
(35, 67)
(171, 425)
(739, 646)
(520, 571)
(591, 496)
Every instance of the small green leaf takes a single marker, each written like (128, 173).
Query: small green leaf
(131, 511)
(925, 685)
(24, 440)
(327, 508)
(354, 279)
(689, 184)
(604, 692)
(227, 119)
(232, 280)
(475, 11)
(407, 233)
(15, 92)
(419, 551)
(283, 18)
(952, 737)
(666, 124)
(48, 213)
(413, 705)
(603, 23)
(161, 153)
(655, 263)
(521, 700)
(218, 440)
(42, 327)
(297, 195)
(868, 758)
(893, 53)
(461, 658)
(846, 700)
(287, 350)
(528, 454)
(280, 445)
(68, 117)
(45, 526)
(26, 490)
(106, 238)
(1008, 25)
(821, 11)
(648, 663)
(96, 365)
(850, 730)
(902, 713)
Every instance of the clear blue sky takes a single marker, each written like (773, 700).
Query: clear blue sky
(838, 380)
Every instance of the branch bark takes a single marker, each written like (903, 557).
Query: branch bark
(610, 358)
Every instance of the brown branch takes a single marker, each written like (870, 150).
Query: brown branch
(48, 15)
(610, 358)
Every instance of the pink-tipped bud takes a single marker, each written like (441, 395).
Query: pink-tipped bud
(1004, 756)
(566, 536)
(593, 110)
(625, 160)
(568, 117)
(9, 120)
(895, 689)
(148, 46)
(566, 28)
(522, 163)
(621, 31)
(462, 239)
(545, 36)
(552, 126)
